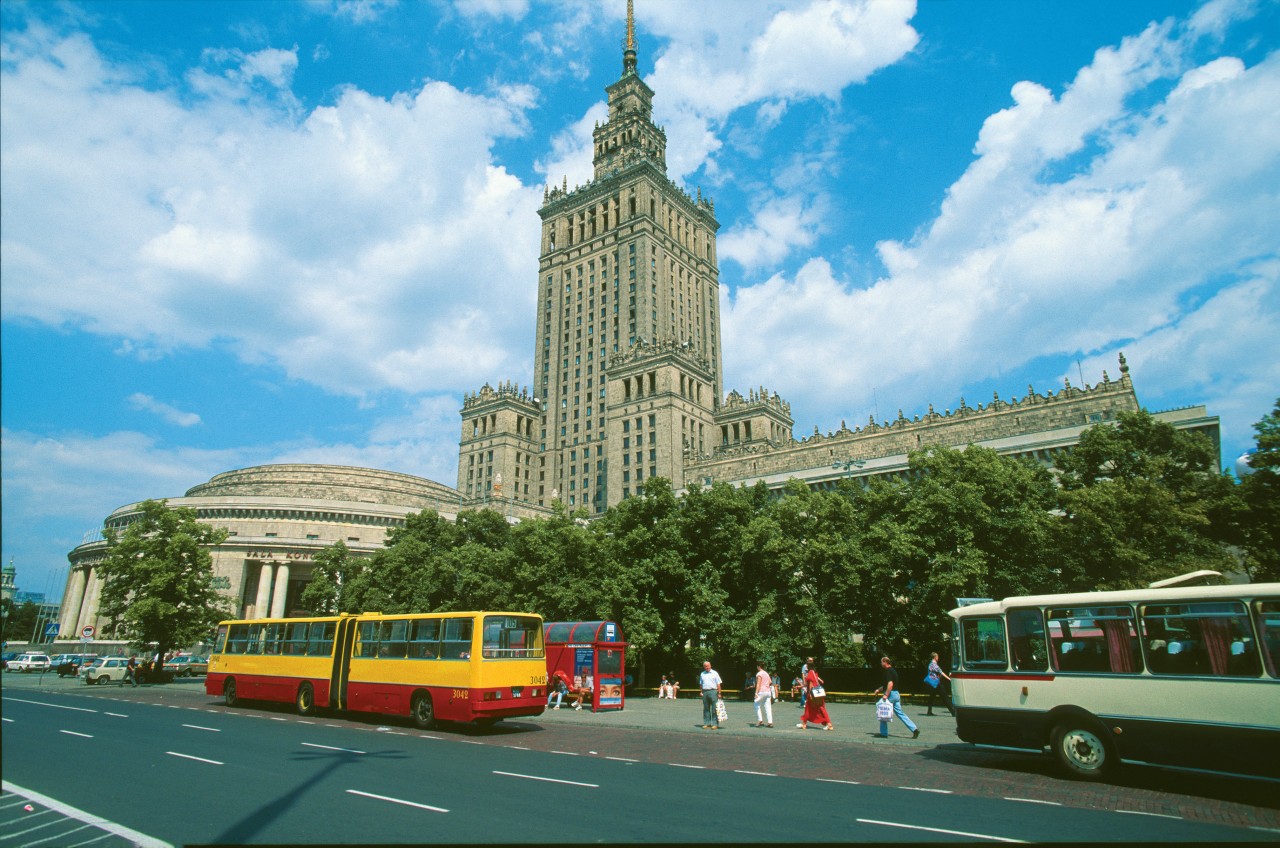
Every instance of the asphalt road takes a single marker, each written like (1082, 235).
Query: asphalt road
(170, 763)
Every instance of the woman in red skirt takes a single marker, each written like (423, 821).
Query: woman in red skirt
(815, 708)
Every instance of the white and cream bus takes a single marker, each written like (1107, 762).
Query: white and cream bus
(1183, 677)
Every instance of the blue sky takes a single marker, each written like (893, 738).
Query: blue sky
(236, 233)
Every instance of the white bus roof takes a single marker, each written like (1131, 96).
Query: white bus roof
(1123, 596)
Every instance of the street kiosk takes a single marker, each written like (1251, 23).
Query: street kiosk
(580, 651)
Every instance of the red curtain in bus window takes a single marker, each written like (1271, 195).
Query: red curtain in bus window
(1119, 644)
(1217, 640)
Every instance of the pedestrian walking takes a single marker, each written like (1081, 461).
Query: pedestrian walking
(890, 688)
(710, 682)
(131, 671)
(765, 694)
(815, 705)
(939, 685)
(804, 686)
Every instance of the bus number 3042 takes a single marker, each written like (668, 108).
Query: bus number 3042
(538, 680)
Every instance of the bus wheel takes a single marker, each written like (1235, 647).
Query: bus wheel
(229, 692)
(306, 700)
(424, 714)
(1083, 752)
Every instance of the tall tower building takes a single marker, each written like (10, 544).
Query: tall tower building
(627, 368)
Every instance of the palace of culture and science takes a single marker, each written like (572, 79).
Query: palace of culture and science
(628, 380)
(627, 386)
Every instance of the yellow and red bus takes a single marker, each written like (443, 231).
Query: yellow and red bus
(450, 666)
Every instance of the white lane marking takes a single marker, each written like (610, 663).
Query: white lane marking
(682, 765)
(202, 727)
(331, 748)
(396, 733)
(116, 715)
(398, 801)
(73, 733)
(133, 836)
(548, 779)
(833, 780)
(197, 759)
(1144, 813)
(471, 741)
(303, 721)
(55, 706)
(567, 753)
(277, 718)
(516, 747)
(7, 719)
(420, 735)
(1036, 801)
(761, 773)
(926, 789)
(1264, 829)
(622, 759)
(942, 830)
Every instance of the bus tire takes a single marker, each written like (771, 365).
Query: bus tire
(1082, 749)
(423, 711)
(229, 696)
(306, 700)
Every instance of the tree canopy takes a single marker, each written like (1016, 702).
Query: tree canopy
(743, 573)
(158, 579)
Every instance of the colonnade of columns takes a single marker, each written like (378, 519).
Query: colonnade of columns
(267, 599)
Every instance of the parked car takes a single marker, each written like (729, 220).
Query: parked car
(69, 665)
(185, 665)
(105, 670)
(31, 662)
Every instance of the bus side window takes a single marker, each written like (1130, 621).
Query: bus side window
(1268, 618)
(320, 638)
(984, 644)
(296, 644)
(368, 639)
(1026, 640)
(457, 639)
(1204, 638)
(424, 639)
(393, 641)
(1095, 639)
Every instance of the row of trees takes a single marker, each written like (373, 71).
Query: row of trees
(739, 573)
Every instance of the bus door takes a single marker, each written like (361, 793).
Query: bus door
(343, 641)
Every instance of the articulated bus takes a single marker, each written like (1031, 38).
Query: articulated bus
(457, 666)
(1183, 677)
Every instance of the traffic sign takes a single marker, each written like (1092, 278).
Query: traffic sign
(86, 631)
(51, 629)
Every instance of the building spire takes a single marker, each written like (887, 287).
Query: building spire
(629, 51)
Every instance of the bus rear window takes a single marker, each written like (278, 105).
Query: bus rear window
(983, 640)
(512, 637)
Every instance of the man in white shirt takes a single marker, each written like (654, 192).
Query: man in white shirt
(710, 682)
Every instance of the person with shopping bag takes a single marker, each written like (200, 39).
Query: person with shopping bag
(884, 713)
(815, 705)
(892, 695)
(710, 682)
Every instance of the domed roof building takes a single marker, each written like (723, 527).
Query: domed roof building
(277, 518)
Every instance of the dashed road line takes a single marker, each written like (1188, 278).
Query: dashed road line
(941, 830)
(332, 748)
(397, 801)
(197, 759)
(548, 779)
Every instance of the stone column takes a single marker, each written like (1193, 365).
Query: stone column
(282, 589)
(89, 612)
(264, 590)
(72, 599)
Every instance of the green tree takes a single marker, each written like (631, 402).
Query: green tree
(19, 620)
(158, 579)
(1260, 495)
(1140, 501)
(339, 581)
(965, 523)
